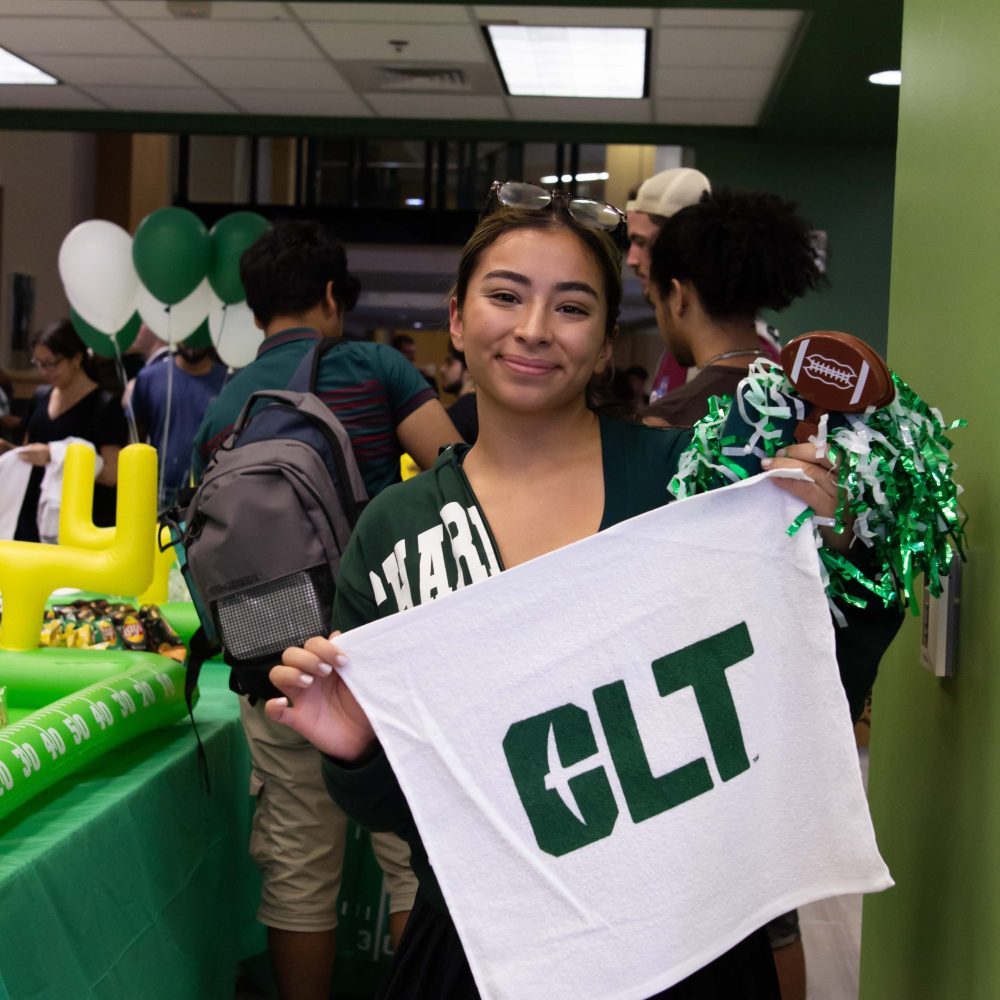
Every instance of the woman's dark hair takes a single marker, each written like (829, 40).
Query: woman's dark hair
(285, 272)
(743, 251)
(506, 220)
(63, 341)
(60, 338)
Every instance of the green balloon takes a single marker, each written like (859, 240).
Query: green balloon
(104, 343)
(171, 250)
(231, 235)
(200, 337)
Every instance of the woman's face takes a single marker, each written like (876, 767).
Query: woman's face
(533, 322)
(57, 370)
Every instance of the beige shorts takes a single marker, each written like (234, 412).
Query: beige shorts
(299, 832)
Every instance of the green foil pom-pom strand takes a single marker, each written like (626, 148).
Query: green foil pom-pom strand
(895, 474)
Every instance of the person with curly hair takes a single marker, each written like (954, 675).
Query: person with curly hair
(713, 266)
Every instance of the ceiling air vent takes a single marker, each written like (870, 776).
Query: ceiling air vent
(422, 78)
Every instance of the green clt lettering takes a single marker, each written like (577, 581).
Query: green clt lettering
(558, 772)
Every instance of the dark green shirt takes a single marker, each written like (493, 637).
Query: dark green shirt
(371, 389)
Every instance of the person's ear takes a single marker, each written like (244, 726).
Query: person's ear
(330, 300)
(455, 324)
(681, 295)
(604, 358)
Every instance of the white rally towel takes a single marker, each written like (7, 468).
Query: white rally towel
(608, 809)
(14, 475)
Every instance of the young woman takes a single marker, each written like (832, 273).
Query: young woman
(71, 404)
(534, 311)
(713, 267)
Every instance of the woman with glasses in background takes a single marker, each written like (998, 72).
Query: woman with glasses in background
(70, 404)
(534, 310)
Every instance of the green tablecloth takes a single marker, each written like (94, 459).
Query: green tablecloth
(127, 879)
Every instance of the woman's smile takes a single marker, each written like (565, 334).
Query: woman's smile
(532, 367)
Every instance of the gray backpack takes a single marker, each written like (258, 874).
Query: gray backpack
(263, 535)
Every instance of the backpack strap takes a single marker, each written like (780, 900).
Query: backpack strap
(304, 377)
(200, 649)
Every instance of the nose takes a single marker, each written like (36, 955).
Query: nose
(532, 327)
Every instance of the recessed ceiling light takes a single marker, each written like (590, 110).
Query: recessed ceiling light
(570, 62)
(887, 78)
(13, 69)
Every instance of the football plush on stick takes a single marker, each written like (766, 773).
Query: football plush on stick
(837, 373)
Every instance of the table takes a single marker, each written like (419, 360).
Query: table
(128, 879)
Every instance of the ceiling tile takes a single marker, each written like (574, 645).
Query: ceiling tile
(243, 10)
(250, 39)
(693, 17)
(77, 36)
(425, 43)
(576, 110)
(180, 100)
(119, 70)
(676, 111)
(721, 47)
(604, 17)
(276, 74)
(437, 106)
(313, 103)
(46, 97)
(394, 13)
(54, 8)
(692, 82)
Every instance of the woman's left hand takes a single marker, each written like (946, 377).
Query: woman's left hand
(35, 454)
(822, 493)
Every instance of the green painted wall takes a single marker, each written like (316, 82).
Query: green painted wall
(845, 189)
(934, 788)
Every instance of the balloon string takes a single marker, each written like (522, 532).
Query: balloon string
(222, 328)
(161, 491)
(133, 430)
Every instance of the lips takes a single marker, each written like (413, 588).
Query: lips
(532, 367)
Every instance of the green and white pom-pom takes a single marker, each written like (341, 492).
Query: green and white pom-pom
(895, 474)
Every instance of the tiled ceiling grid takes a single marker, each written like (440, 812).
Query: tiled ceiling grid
(708, 67)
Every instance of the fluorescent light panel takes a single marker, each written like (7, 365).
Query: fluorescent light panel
(14, 70)
(570, 62)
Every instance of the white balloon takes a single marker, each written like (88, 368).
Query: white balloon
(174, 323)
(95, 264)
(234, 334)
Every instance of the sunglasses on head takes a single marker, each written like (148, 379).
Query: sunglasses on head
(588, 213)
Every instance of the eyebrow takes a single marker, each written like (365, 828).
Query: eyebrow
(561, 286)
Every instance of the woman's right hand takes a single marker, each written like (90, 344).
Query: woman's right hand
(317, 703)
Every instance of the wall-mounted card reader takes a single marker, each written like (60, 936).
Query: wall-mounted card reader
(939, 624)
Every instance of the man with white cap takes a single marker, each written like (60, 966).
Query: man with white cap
(657, 199)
